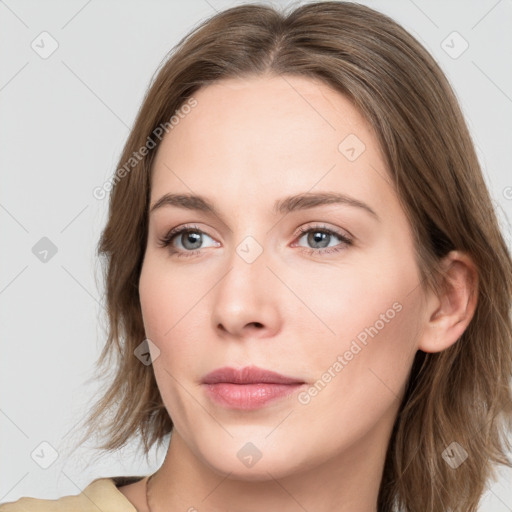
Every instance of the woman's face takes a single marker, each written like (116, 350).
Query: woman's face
(267, 278)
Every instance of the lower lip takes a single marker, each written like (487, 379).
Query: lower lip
(248, 396)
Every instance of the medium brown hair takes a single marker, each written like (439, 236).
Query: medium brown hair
(461, 394)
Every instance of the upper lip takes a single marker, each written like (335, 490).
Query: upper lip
(248, 375)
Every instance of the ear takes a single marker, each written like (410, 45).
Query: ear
(448, 314)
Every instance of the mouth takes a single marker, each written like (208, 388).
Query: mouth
(248, 388)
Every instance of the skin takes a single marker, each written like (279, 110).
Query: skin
(248, 143)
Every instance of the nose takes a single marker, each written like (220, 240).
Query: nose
(246, 300)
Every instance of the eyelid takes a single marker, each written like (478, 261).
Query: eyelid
(322, 226)
(178, 230)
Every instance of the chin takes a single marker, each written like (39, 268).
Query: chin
(262, 471)
(256, 460)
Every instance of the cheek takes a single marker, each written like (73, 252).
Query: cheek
(352, 297)
(165, 297)
(153, 302)
(174, 318)
(365, 379)
(370, 322)
(166, 313)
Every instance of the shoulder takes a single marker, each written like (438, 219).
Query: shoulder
(100, 494)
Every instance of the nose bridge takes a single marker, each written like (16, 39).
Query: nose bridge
(244, 294)
(250, 249)
(247, 265)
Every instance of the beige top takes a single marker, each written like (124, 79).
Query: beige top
(101, 494)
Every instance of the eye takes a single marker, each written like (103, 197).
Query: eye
(191, 239)
(320, 238)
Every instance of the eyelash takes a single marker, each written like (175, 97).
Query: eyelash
(174, 233)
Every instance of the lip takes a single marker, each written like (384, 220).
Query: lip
(248, 388)
(248, 375)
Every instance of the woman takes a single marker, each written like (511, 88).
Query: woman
(301, 242)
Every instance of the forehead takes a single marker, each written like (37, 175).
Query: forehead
(253, 110)
(246, 136)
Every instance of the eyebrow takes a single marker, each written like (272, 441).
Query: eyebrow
(286, 205)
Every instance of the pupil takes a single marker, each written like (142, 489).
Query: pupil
(321, 238)
(191, 236)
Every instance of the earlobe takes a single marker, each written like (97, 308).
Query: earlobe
(448, 314)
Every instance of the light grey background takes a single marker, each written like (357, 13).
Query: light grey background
(64, 121)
